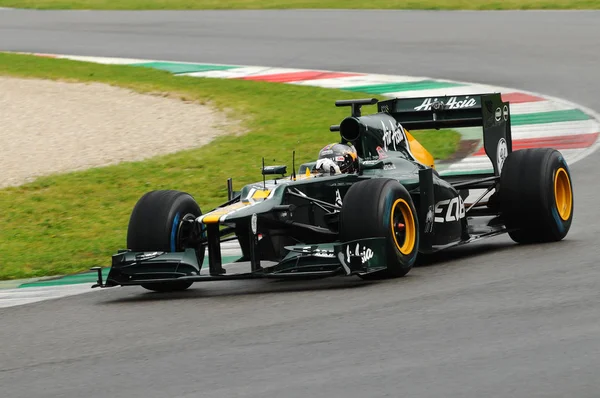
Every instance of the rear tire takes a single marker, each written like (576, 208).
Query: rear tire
(374, 208)
(156, 225)
(536, 195)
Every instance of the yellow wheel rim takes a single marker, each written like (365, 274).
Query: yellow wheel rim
(402, 223)
(563, 195)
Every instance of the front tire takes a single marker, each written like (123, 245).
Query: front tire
(156, 225)
(536, 195)
(382, 207)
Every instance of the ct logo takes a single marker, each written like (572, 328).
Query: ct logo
(501, 154)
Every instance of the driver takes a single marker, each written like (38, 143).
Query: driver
(337, 158)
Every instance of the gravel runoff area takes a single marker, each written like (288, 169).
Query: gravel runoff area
(49, 127)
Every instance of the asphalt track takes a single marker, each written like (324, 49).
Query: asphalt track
(510, 321)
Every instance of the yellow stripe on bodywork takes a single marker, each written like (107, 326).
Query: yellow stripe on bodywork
(215, 216)
(261, 194)
(421, 154)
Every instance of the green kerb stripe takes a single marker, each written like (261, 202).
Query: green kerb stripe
(407, 86)
(87, 277)
(570, 115)
(176, 67)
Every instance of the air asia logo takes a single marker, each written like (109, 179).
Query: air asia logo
(365, 253)
(449, 210)
(452, 103)
(392, 136)
(501, 154)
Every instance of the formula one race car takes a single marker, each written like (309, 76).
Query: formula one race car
(367, 207)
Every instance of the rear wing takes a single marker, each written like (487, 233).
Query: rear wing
(485, 110)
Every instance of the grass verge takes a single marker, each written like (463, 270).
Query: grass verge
(68, 223)
(290, 4)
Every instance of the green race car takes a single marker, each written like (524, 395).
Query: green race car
(368, 206)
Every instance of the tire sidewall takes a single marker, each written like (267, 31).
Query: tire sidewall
(560, 227)
(398, 191)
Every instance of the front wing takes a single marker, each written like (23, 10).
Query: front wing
(355, 257)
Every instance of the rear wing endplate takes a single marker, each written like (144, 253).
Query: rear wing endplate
(485, 110)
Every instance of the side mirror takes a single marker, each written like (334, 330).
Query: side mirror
(272, 170)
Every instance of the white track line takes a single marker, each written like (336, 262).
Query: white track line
(27, 295)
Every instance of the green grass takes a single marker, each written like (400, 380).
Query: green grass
(67, 223)
(288, 4)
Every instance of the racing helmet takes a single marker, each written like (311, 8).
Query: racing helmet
(337, 158)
